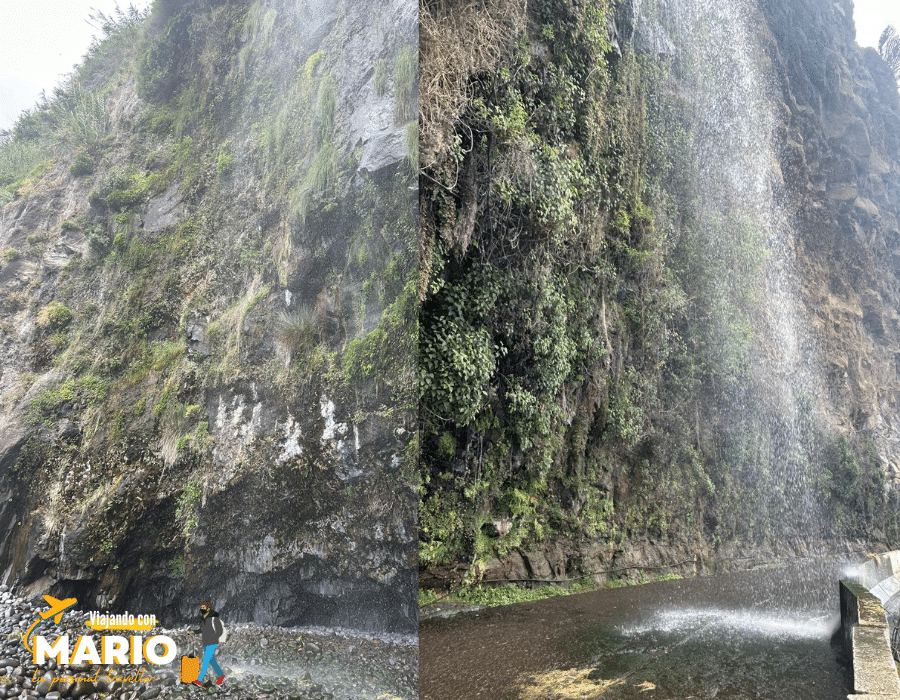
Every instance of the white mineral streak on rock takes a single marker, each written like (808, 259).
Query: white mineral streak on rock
(235, 429)
(291, 446)
(333, 429)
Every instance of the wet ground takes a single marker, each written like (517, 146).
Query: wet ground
(755, 635)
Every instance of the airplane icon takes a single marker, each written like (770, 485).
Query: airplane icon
(57, 608)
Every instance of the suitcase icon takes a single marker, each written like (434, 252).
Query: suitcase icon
(190, 668)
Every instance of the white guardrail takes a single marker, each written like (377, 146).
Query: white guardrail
(870, 609)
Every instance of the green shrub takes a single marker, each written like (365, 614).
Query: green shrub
(19, 157)
(84, 391)
(160, 121)
(427, 597)
(112, 179)
(456, 362)
(457, 352)
(82, 163)
(186, 512)
(119, 190)
(54, 316)
(447, 444)
(225, 158)
(97, 234)
(159, 66)
(79, 114)
(176, 566)
(120, 200)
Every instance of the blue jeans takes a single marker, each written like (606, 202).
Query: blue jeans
(209, 659)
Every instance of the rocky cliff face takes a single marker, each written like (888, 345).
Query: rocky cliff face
(704, 361)
(839, 129)
(208, 336)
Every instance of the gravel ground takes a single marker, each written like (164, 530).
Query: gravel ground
(311, 663)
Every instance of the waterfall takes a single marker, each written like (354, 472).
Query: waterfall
(739, 239)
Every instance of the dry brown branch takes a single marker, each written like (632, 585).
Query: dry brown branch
(457, 40)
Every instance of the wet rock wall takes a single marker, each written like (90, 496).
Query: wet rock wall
(215, 412)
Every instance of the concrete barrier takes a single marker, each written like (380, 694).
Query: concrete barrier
(866, 637)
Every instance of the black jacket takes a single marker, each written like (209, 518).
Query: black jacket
(211, 629)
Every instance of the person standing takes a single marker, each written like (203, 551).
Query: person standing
(211, 631)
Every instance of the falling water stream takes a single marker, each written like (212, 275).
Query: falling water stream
(737, 199)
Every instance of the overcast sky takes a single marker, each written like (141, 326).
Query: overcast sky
(872, 16)
(41, 40)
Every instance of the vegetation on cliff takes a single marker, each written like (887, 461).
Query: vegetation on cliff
(889, 48)
(588, 320)
(216, 289)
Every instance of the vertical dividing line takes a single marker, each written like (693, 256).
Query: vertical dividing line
(489, 181)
